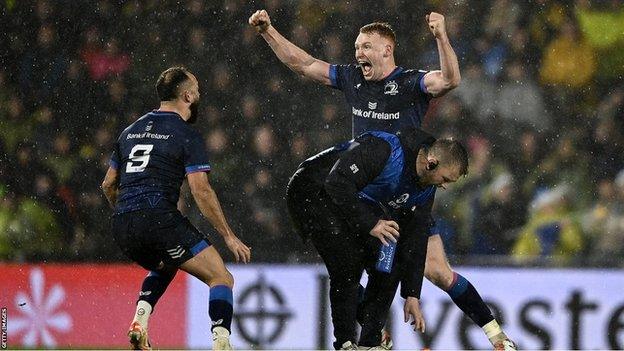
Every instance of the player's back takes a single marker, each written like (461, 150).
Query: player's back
(152, 156)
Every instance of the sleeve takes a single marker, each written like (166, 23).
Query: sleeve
(115, 157)
(354, 169)
(341, 75)
(412, 250)
(419, 86)
(195, 156)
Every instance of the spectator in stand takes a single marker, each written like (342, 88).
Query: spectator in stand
(9, 228)
(605, 221)
(520, 103)
(498, 217)
(15, 125)
(107, 61)
(523, 164)
(602, 24)
(42, 66)
(569, 62)
(551, 231)
(39, 235)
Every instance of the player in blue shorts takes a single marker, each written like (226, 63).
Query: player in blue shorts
(386, 97)
(150, 160)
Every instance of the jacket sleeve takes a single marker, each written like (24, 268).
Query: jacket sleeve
(412, 250)
(357, 167)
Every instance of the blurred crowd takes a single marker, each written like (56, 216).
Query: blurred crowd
(540, 108)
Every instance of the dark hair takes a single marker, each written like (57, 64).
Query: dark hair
(451, 152)
(382, 28)
(169, 82)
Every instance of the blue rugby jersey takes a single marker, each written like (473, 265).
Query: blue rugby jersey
(398, 101)
(394, 188)
(153, 155)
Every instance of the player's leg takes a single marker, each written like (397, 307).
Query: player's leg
(374, 306)
(461, 291)
(129, 239)
(207, 266)
(343, 260)
(315, 219)
(152, 289)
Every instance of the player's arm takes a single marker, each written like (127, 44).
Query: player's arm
(110, 185)
(448, 77)
(290, 54)
(209, 205)
(412, 250)
(356, 168)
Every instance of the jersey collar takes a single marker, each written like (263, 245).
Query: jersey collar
(394, 73)
(162, 112)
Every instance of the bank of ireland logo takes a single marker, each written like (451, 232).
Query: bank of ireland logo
(372, 105)
(261, 313)
(41, 316)
(391, 88)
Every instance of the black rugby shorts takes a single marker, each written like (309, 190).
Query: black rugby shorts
(152, 238)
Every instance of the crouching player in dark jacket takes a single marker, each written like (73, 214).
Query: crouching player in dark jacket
(366, 204)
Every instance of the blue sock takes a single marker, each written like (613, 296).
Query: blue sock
(154, 286)
(469, 301)
(220, 306)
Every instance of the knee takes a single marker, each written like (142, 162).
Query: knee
(439, 273)
(228, 279)
(222, 277)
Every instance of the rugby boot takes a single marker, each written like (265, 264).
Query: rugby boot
(221, 339)
(348, 345)
(386, 339)
(505, 345)
(138, 337)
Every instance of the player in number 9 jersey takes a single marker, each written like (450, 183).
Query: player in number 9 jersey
(149, 163)
(153, 156)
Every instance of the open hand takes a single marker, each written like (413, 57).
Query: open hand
(241, 251)
(411, 311)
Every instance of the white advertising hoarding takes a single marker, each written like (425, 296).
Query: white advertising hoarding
(538, 308)
(276, 307)
(286, 307)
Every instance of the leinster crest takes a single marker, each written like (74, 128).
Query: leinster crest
(391, 88)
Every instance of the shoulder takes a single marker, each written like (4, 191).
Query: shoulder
(389, 138)
(345, 67)
(412, 75)
(345, 70)
(377, 142)
(187, 132)
(414, 72)
(129, 129)
(179, 126)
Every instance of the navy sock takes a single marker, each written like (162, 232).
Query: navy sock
(154, 286)
(468, 300)
(220, 306)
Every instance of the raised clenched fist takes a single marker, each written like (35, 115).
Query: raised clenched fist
(260, 20)
(436, 24)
